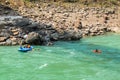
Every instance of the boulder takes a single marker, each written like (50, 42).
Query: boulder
(47, 40)
(2, 23)
(13, 39)
(54, 36)
(8, 42)
(2, 34)
(22, 22)
(33, 27)
(14, 43)
(72, 35)
(14, 30)
(34, 38)
(21, 42)
(2, 43)
(15, 33)
(115, 29)
(2, 39)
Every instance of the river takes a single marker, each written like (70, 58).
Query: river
(66, 60)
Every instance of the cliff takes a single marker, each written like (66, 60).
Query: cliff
(44, 23)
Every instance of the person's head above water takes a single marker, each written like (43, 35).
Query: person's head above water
(97, 51)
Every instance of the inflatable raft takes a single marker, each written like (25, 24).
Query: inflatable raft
(22, 49)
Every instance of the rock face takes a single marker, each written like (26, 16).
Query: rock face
(23, 30)
(52, 23)
(90, 21)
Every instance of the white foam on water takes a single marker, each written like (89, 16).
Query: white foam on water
(49, 50)
(42, 66)
(72, 53)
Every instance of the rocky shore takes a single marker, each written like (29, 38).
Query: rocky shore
(44, 25)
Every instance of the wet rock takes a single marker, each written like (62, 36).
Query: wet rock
(46, 39)
(92, 34)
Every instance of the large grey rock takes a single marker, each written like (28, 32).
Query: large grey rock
(3, 34)
(33, 27)
(55, 36)
(21, 41)
(8, 42)
(14, 43)
(34, 38)
(22, 22)
(71, 35)
(3, 23)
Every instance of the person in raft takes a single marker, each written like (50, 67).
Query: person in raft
(97, 51)
(27, 46)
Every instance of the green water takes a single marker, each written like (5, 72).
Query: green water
(64, 61)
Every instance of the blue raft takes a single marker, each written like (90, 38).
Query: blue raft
(22, 49)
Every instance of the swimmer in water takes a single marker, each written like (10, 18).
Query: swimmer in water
(97, 51)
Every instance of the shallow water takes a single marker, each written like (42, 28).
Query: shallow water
(72, 60)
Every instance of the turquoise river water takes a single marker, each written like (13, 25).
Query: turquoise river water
(72, 60)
